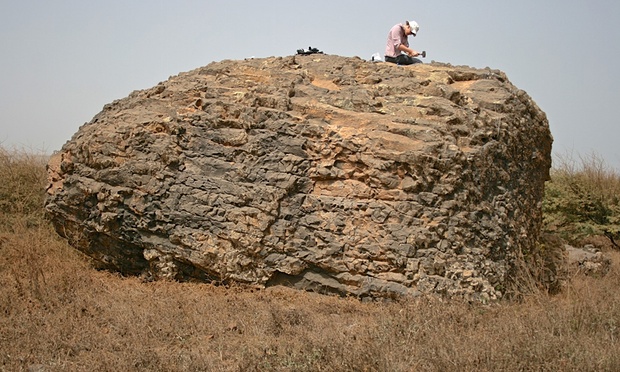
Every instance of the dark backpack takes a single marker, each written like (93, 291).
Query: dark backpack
(310, 50)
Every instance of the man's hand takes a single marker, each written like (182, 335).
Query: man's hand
(410, 52)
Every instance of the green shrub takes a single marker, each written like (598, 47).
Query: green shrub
(583, 200)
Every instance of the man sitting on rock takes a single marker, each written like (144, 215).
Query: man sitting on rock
(397, 49)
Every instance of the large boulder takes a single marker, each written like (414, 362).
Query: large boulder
(320, 172)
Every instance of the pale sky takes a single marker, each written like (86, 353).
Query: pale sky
(61, 61)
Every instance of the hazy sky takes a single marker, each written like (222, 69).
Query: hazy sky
(61, 61)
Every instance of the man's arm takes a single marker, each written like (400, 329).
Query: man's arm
(410, 52)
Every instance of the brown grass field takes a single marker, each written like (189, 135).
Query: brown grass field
(57, 313)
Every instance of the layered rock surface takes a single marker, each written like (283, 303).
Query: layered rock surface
(319, 172)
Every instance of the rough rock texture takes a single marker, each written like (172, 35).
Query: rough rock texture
(319, 172)
(587, 260)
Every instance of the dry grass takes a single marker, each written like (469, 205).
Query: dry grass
(590, 170)
(582, 199)
(59, 314)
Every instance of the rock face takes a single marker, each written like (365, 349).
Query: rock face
(319, 172)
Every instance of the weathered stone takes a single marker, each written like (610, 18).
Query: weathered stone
(321, 172)
(587, 260)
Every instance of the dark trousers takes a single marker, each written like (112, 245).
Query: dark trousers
(402, 59)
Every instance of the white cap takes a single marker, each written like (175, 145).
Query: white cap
(414, 27)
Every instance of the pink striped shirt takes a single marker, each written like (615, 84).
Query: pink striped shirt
(396, 37)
